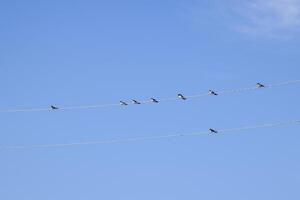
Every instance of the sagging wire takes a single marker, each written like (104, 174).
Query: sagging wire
(210, 131)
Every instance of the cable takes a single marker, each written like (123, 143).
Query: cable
(197, 96)
(146, 138)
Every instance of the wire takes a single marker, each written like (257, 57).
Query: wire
(197, 96)
(136, 139)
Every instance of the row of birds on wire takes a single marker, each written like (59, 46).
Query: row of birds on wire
(154, 100)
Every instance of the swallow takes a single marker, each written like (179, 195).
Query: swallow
(123, 103)
(54, 108)
(259, 85)
(211, 92)
(182, 97)
(213, 130)
(154, 100)
(136, 102)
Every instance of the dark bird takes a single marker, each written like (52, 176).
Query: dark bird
(154, 100)
(54, 108)
(259, 85)
(136, 102)
(182, 97)
(123, 103)
(213, 130)
(211, 92)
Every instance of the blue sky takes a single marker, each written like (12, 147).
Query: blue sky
(92, 52)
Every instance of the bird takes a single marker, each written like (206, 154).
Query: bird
(154, 100)
(54, 107)
(135, 102)
(213, 130)
(211, 92)
(123, 103)
(259, 85)
(182, 97)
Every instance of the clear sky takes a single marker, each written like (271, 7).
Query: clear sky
(77, 52)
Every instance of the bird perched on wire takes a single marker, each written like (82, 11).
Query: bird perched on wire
(259, 85)
(135, 102)
(182, 97)
(54, 107)
(213, 130)
(154, 100)
(123, 103)
(211, 92)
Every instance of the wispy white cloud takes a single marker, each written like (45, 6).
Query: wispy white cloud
(279, 18)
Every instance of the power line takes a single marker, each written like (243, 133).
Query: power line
(259, 86)
(146, 138)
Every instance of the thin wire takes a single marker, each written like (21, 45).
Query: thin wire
(197, 96)
(261, 126)
(146, 138)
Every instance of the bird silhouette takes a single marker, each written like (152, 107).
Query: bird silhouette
(259, 85)
(213, 130)
(154, 100)
(211, 92)
(123, 103)
(54, 107)
(136, 102)
(182, 97)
